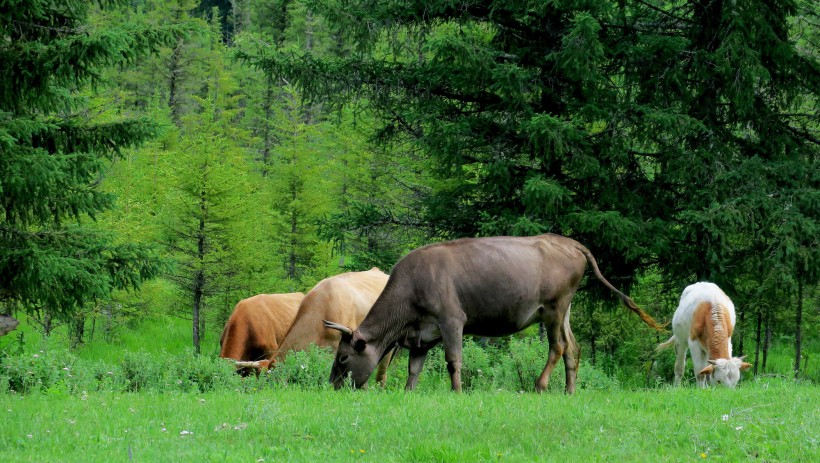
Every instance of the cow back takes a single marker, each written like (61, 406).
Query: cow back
(258, 325)
(347, 297)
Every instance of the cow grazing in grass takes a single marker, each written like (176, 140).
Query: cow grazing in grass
(703, 323)
(480, 286)
(348, 297)
(256, 328)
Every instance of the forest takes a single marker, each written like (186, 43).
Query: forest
(166, 159)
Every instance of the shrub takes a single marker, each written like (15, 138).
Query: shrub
(306, 369)
(142, 372)
(27, 373)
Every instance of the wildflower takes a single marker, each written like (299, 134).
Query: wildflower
(185, 433)
(725, 417)
(702, 455)
(36, 356)
(29, 436)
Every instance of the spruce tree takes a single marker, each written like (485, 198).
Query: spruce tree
(53, 155)
(654, 132)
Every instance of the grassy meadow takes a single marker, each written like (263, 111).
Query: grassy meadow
(768, 420)
(128, 400)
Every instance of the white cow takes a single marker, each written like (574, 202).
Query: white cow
(704, 322)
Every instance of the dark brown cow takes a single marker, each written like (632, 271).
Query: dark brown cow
(347, 297)
(255, 329)
(481, 286)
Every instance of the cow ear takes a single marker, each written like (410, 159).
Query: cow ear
(358, 342)
(708, 370)
(745, 366)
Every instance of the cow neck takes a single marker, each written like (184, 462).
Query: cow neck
(384, 323)
(719, 332)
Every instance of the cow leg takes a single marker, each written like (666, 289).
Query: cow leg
(452, 335)
(572, 355)
(699, 361)
(557, 348)
(680, 361)
(414, 367)
(381, 372)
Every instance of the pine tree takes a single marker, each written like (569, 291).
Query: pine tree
(52, 156)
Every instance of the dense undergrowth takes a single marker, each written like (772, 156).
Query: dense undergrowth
(132, 363)
(509, 366)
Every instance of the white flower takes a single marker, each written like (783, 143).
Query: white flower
(725, 417)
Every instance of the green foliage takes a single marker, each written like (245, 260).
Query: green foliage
(307, 369)
(53, 155)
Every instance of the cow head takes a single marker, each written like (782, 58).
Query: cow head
(726, 372)
(355, 358)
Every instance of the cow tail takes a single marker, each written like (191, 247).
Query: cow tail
(665, 345)
(626, 300)
(572, 345)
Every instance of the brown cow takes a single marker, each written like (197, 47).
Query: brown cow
(482, 286)
(255, 329)
(347, 297)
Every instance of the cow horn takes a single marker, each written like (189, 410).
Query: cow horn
(247, 364)
(338, 327)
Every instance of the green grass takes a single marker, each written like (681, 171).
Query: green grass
(769, 420)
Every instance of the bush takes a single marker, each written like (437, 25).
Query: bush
(34, 372)
(513, 364)
(305, 369)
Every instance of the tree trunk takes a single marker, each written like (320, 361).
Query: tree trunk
(173, 84)
(757, 339)
(268, 136)
(199, 278)
(47, 324)
(77, 329)
(768, 340)
(740, 336)
(294, 227)
(593, 349)
(798, 328)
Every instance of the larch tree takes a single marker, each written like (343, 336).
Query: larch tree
(52, 155)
